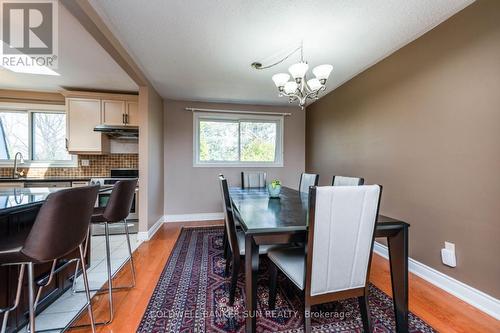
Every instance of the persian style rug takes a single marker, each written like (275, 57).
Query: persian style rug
(192, 296)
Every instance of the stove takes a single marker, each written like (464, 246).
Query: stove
(117, 175)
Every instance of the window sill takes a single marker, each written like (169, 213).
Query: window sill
(237, 165)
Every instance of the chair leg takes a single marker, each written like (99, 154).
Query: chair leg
(132, 267)
(87, 289)
(225, 243)
(228, 264)
(110, 277)
(307, 317)
(73, 288)
(31, 296)
(234, 281)
(16, 301)
(365, 313)
(273, 282)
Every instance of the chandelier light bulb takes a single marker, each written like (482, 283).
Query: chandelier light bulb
(299, 70)
(280, 79)
(322, 72)
(290, 87)
(314, 84)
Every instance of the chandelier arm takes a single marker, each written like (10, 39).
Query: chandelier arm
(279, 61)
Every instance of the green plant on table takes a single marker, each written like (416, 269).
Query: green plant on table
(275, 183)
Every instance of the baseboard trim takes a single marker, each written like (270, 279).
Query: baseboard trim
(471, 295)
(147, 235)
(193, 217)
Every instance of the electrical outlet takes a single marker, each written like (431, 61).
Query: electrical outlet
(448, 256)
(85, 163)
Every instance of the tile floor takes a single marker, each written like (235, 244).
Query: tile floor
(68, 306)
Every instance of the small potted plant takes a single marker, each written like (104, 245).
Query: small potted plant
(274, 188)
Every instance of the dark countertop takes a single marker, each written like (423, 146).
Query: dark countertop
(45, 179)
(14, 199)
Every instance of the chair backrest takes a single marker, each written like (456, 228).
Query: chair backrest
(229, 222)
(61, 224)
(251, 179)
(347, 181)
(341, 233)
(307, 180)
(120, 200)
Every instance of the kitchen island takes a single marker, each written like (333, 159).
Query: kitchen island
(18, 210)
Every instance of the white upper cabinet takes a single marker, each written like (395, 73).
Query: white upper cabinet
(132, 114)
(83, 115)
(113, 112)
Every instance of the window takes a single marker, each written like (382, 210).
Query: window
(237, 140)
(40, 136)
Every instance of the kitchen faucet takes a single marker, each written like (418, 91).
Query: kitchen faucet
(15, 173)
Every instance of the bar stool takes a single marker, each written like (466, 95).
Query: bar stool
(60, 227)
(116, 211)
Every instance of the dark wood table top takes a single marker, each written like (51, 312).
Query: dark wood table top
(260, 214)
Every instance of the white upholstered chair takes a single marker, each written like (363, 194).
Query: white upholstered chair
(347, 181)
(339, 249)
(307, 180)
(253, 179)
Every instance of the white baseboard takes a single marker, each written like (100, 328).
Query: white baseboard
(194, 217)
(471, 295)
(147, 235)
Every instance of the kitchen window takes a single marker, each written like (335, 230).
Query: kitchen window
(39, 135)
(238, 140)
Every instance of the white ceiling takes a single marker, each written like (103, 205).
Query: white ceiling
(83, 63)
(202, 50)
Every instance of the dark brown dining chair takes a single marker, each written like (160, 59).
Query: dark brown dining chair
(235, 239)
(347, 181)
(253, 179)
(307, 180)
(116, 211)
(335, 264)
(60, 227)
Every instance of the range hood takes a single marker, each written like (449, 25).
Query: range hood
(118, 132)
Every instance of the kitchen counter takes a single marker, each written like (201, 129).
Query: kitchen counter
(45, 179)
(14, 199)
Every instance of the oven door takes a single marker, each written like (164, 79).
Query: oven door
(103, 198)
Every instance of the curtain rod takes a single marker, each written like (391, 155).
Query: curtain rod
(241, 112)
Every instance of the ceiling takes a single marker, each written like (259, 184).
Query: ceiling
(203, 50)
(83, 63)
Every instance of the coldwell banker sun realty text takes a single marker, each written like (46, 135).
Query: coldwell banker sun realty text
(29, 31)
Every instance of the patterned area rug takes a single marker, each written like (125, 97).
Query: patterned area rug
(192, 296)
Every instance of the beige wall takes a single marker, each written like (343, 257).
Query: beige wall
(190, 190)
(425, 123)
(150, 158)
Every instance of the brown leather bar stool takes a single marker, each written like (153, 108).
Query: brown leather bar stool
(116, 211)
(60, 227)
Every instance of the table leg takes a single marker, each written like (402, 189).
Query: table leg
(398, 260)
(251, 268)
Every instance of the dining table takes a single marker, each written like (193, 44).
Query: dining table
(284, 220)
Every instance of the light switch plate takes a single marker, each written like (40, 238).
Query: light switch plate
(448, 254)
(84, 163)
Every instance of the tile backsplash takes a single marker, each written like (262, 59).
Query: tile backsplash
(99, 165)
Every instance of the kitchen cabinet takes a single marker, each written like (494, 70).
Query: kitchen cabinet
(83, 115)
(119, 113)
(86, 110)
(132, 114)
(11, 184)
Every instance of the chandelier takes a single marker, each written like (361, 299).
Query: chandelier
(299, 88)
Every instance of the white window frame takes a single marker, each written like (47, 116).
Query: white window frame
(199, 116)
(30, 109)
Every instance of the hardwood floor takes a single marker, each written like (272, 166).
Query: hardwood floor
(441, 310)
